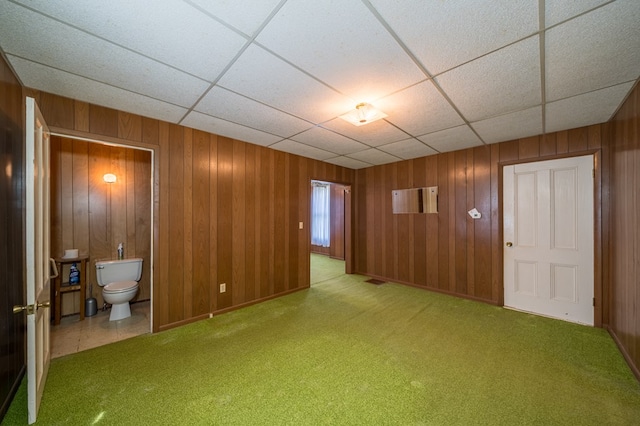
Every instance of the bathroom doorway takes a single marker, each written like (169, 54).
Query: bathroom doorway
(95, 216)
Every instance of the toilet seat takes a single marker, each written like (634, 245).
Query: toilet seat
(120, 287)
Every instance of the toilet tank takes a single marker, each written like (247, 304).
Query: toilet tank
(110, 271)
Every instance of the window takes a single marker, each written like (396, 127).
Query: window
(320, 213)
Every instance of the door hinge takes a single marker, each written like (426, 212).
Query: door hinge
(594, 301)
(593, 173)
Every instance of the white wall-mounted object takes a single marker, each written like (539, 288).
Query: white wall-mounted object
(474, 213)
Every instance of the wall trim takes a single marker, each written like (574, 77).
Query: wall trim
(432, 289)
(625, 354)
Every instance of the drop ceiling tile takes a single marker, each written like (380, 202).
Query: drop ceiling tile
(301, 149)
(329, 141)
(594, 51)
(497, 93)
(446, 34)
(182, 36)
(349, 163)
(419, 109)
(557, 11)
(343, 45)
(284, 87)
(372, 134)
(460, 137)
(61, 83)
(507, 127)
(583, 110)
(230, 106)
(57, 45)
(504, 81)
(374, 156)
(231, 130)
(246, 16)
(408, 149)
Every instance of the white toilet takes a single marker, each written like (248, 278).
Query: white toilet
(119, 282)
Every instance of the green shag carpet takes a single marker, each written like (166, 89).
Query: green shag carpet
(345, 352)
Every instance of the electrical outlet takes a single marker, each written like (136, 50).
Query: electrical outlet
(223, 287)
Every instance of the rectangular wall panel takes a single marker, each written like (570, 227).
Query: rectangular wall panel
(564, 185)
(564, 283)
(525, 210)
(526, 279)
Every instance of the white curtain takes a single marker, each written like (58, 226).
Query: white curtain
(320, 216)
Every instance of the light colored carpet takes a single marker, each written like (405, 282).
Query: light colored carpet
(345, 352)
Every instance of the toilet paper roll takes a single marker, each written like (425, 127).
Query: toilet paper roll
(70, 253)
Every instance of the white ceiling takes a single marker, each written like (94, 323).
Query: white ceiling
(450, 74)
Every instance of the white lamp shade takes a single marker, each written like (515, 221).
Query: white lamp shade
(363, 114)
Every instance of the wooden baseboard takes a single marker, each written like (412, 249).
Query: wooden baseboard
(433, 289)
(254, 302)
(183, 322)
(625, 354)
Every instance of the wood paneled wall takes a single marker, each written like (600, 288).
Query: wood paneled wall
(12, 290)
(94, 216)
(624, 247)
(449, 251)
(225, 211)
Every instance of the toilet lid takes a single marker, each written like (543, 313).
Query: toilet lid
(120, 286)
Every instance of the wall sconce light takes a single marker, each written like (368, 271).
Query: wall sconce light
(109, 178)
(363, 114)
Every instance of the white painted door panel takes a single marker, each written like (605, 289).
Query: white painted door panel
(548, 233)
(37, 235)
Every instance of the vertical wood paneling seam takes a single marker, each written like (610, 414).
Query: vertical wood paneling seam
(452, 221)
(161, 291)
(470, 188)
(188, 223)
(213, 223)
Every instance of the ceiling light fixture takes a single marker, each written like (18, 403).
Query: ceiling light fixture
(363, 114)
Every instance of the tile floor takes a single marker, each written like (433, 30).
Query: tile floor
(73, 336)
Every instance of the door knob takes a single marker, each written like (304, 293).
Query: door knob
(31, 309)
(509, 244)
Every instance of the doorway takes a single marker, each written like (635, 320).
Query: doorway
(95, 216)
(330, 227)
(549, 238)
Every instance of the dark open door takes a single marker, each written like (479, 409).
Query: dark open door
(13, 329)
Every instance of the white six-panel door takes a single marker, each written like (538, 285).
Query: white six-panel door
(549, 238)
(37, 255)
